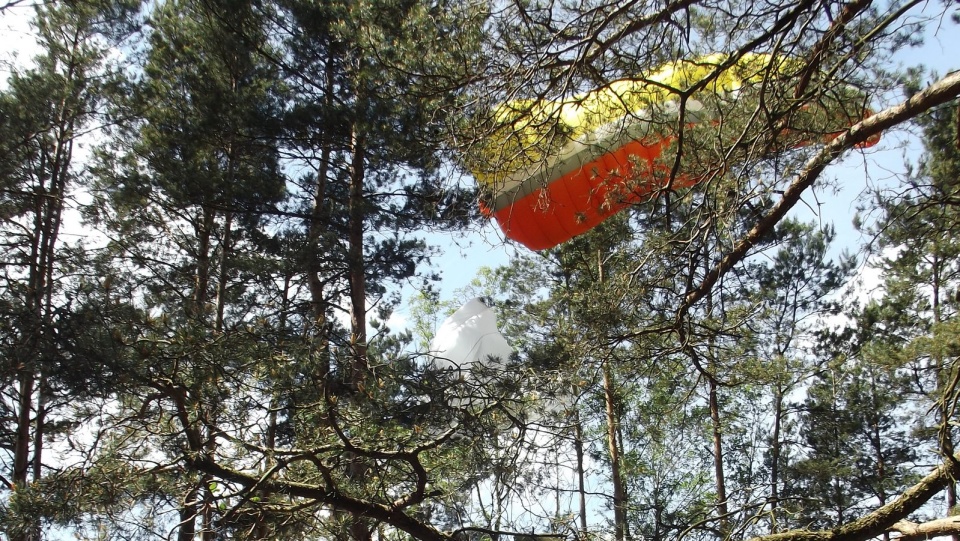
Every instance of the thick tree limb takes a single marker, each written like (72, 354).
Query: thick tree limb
(330, 498)
(936, 94)
(890, 517)
(911, 531)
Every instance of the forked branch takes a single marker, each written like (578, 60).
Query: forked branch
(936, 94)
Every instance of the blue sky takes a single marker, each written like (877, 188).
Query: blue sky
(482, 245)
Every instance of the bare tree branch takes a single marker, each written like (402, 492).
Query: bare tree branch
(911, 531)
(889, 517)
(332, 498)
(936, 94)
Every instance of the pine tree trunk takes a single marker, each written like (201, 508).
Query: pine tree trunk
(356, 268)
(775, 458)
(222, 280)
(945, 435)
(188, 515)
(361, 528)
(38, 438)
(716, 423)
(21, 456)
(613, 446)
(581, 474)
(619, 493)
(722, 509)
(316, 231)
(318, 326)
(48, 201)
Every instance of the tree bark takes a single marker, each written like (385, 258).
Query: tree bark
(613, 447)
(936, 94)
(911, 531)
(945, 433)
(722, 509)
(775, 446)
(619, 493)
(316, 230)
(885, 518)
(49, 190)
(356, 268)
(188, 515)
(581, 474)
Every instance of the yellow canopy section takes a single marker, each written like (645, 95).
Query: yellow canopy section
(527, 132)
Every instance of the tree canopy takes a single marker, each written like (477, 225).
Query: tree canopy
(211, 210)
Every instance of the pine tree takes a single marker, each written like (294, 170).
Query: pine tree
(854, 445)
(43, 117)
(244, 362)
(917, 254)
(183, 205)
(792, 293)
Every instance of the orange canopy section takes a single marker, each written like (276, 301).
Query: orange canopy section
(555, 170)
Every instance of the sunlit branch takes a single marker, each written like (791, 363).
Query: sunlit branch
(936, 94)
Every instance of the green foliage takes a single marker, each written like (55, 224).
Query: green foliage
(855, 445)
(220, 361)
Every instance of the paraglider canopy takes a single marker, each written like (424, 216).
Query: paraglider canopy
(552, 170)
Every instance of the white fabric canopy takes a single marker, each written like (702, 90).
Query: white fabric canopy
(470, 336)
